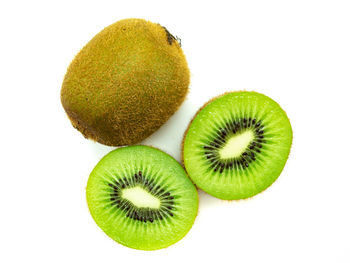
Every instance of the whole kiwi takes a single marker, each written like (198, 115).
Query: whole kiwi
(125, 83)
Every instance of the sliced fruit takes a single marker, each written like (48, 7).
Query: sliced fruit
(142, 198)
(237, 145)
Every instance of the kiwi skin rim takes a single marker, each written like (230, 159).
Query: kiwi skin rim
(188, 127)
(148, 249)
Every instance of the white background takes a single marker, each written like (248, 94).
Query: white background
(297, 52)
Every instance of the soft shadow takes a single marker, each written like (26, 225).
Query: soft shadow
(208, 201)
(169, 137)
(99, 150)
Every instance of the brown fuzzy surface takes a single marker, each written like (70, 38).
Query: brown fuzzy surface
(125, 83)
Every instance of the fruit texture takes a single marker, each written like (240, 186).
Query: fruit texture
(237, 145)
(125, 83)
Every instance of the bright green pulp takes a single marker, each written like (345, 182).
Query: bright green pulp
(160, 170)
(238, 182)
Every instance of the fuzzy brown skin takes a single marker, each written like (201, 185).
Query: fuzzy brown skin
(125, 83)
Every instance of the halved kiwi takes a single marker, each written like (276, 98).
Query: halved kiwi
(142, 198)
(237, 145)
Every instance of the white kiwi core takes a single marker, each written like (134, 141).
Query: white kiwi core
(236, 145)
(140, 197)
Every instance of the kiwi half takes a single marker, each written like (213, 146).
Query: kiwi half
(125, 83)
(142, 198)
(237, 145)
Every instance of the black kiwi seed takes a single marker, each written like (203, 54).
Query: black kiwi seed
(257, 144)
(223, 134)
(140, 214)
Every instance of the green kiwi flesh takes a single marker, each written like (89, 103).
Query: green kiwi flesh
(237, 145)
(142, 198)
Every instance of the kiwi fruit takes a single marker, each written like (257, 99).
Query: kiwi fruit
(125, 83)
(237, 145)
(142, 198)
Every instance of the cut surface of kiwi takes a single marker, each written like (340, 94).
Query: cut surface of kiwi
(125, 83)
(237, 145)
(142, 198)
